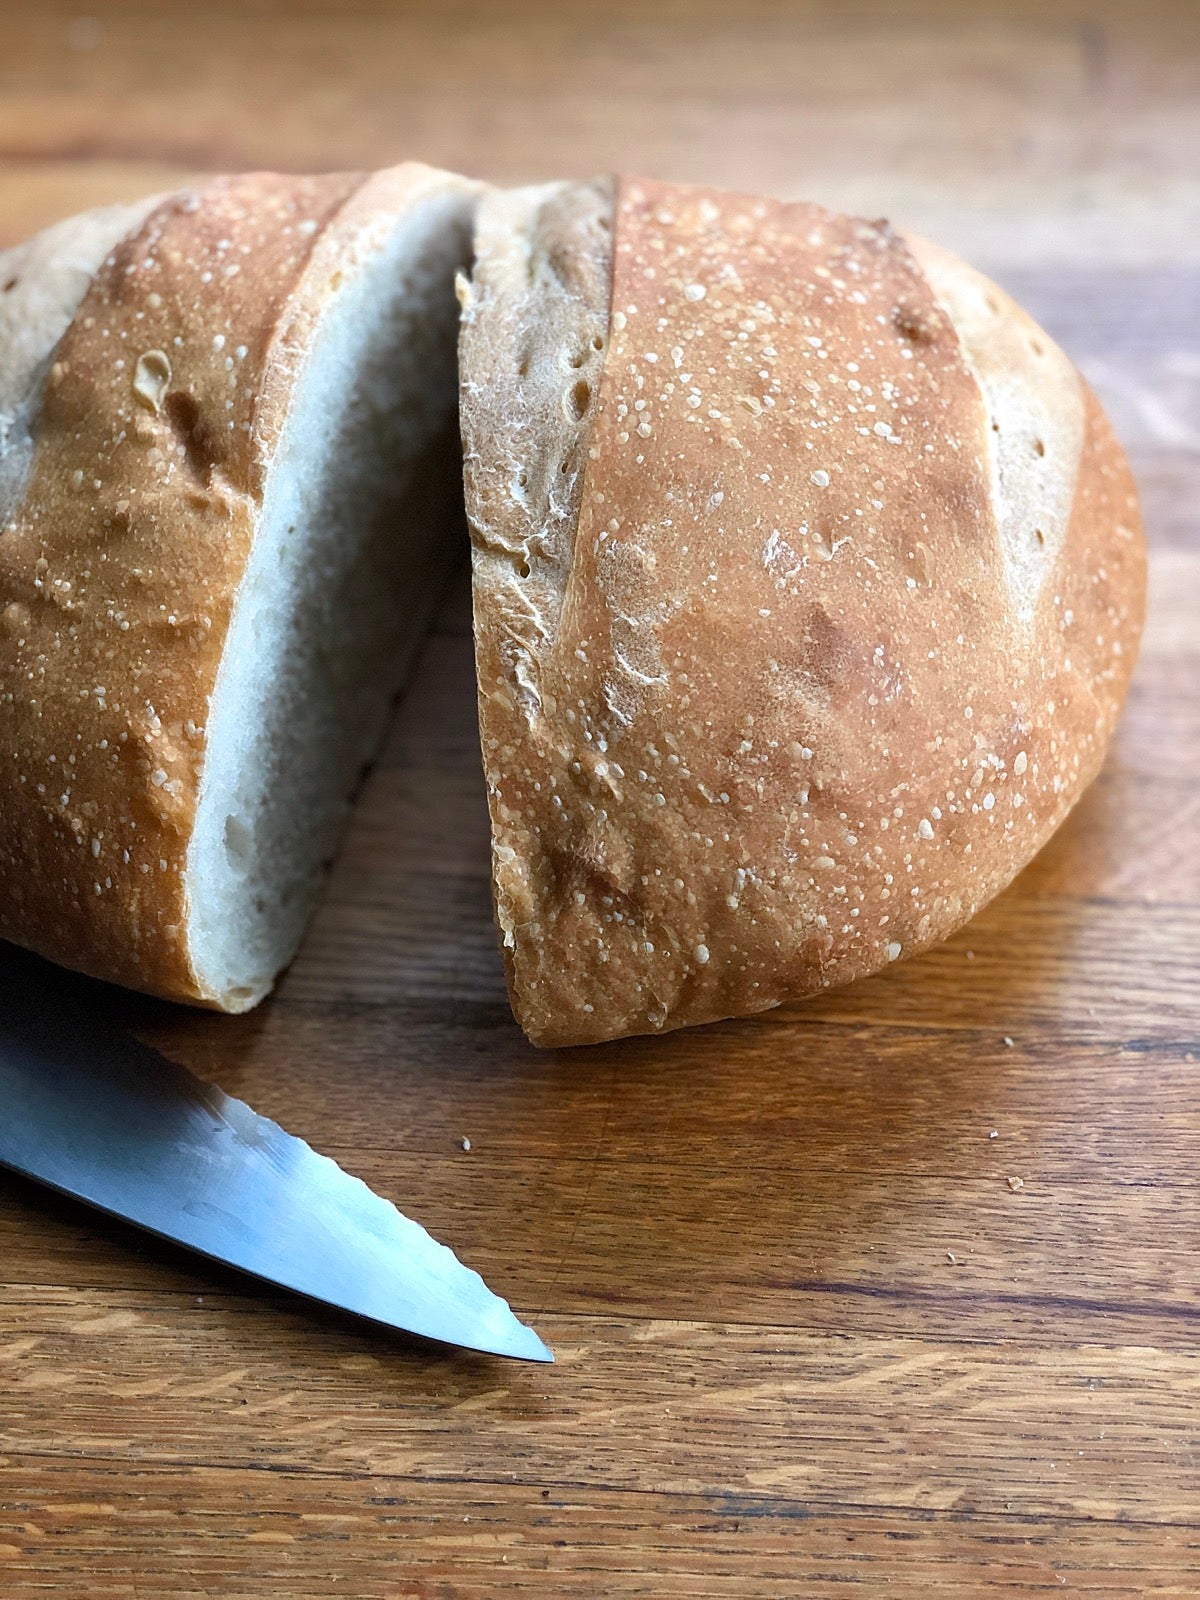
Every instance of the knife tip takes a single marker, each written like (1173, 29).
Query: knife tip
(529, 1347)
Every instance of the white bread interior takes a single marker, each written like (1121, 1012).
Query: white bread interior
(346, 565)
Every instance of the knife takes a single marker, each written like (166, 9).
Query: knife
(108, 1120)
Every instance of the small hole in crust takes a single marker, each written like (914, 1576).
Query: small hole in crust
(581, 397)
(1039, 536)
(566, 464)
(237, 839)
(995, 426)
(522, 569)
(1039, 447)
(911, 323)
(597, 343)
(1037, 347)
(182, 410)
(10, 285)
(184, 416)
(578, 359)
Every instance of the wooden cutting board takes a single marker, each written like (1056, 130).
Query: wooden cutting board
(896, 1292)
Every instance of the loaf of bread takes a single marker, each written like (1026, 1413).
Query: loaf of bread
(808, 581)
(227, 479)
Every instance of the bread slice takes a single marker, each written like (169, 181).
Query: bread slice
(227, 491)
(808, 581)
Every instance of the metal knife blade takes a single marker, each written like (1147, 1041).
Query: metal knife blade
(106, 1119)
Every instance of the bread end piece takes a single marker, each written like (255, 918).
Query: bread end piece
(230, 521)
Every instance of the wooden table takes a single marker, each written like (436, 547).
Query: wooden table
(813, 1335)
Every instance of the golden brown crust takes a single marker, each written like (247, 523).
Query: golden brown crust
(793, 718)
(42, 282)
(118, 573)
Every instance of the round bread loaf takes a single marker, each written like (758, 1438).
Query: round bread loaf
(808, 581)
(226, 500)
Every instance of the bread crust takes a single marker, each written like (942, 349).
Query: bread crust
(120, 566)
(815, 688)
(42, 282)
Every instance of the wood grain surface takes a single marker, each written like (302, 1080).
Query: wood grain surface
(895, 1293)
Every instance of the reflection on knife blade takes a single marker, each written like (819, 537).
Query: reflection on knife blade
(108, 1120)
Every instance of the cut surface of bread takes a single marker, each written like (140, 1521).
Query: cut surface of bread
(823, 626)
(230, 505)
(349, 556)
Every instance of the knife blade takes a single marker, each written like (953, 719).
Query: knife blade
(98, 1115)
